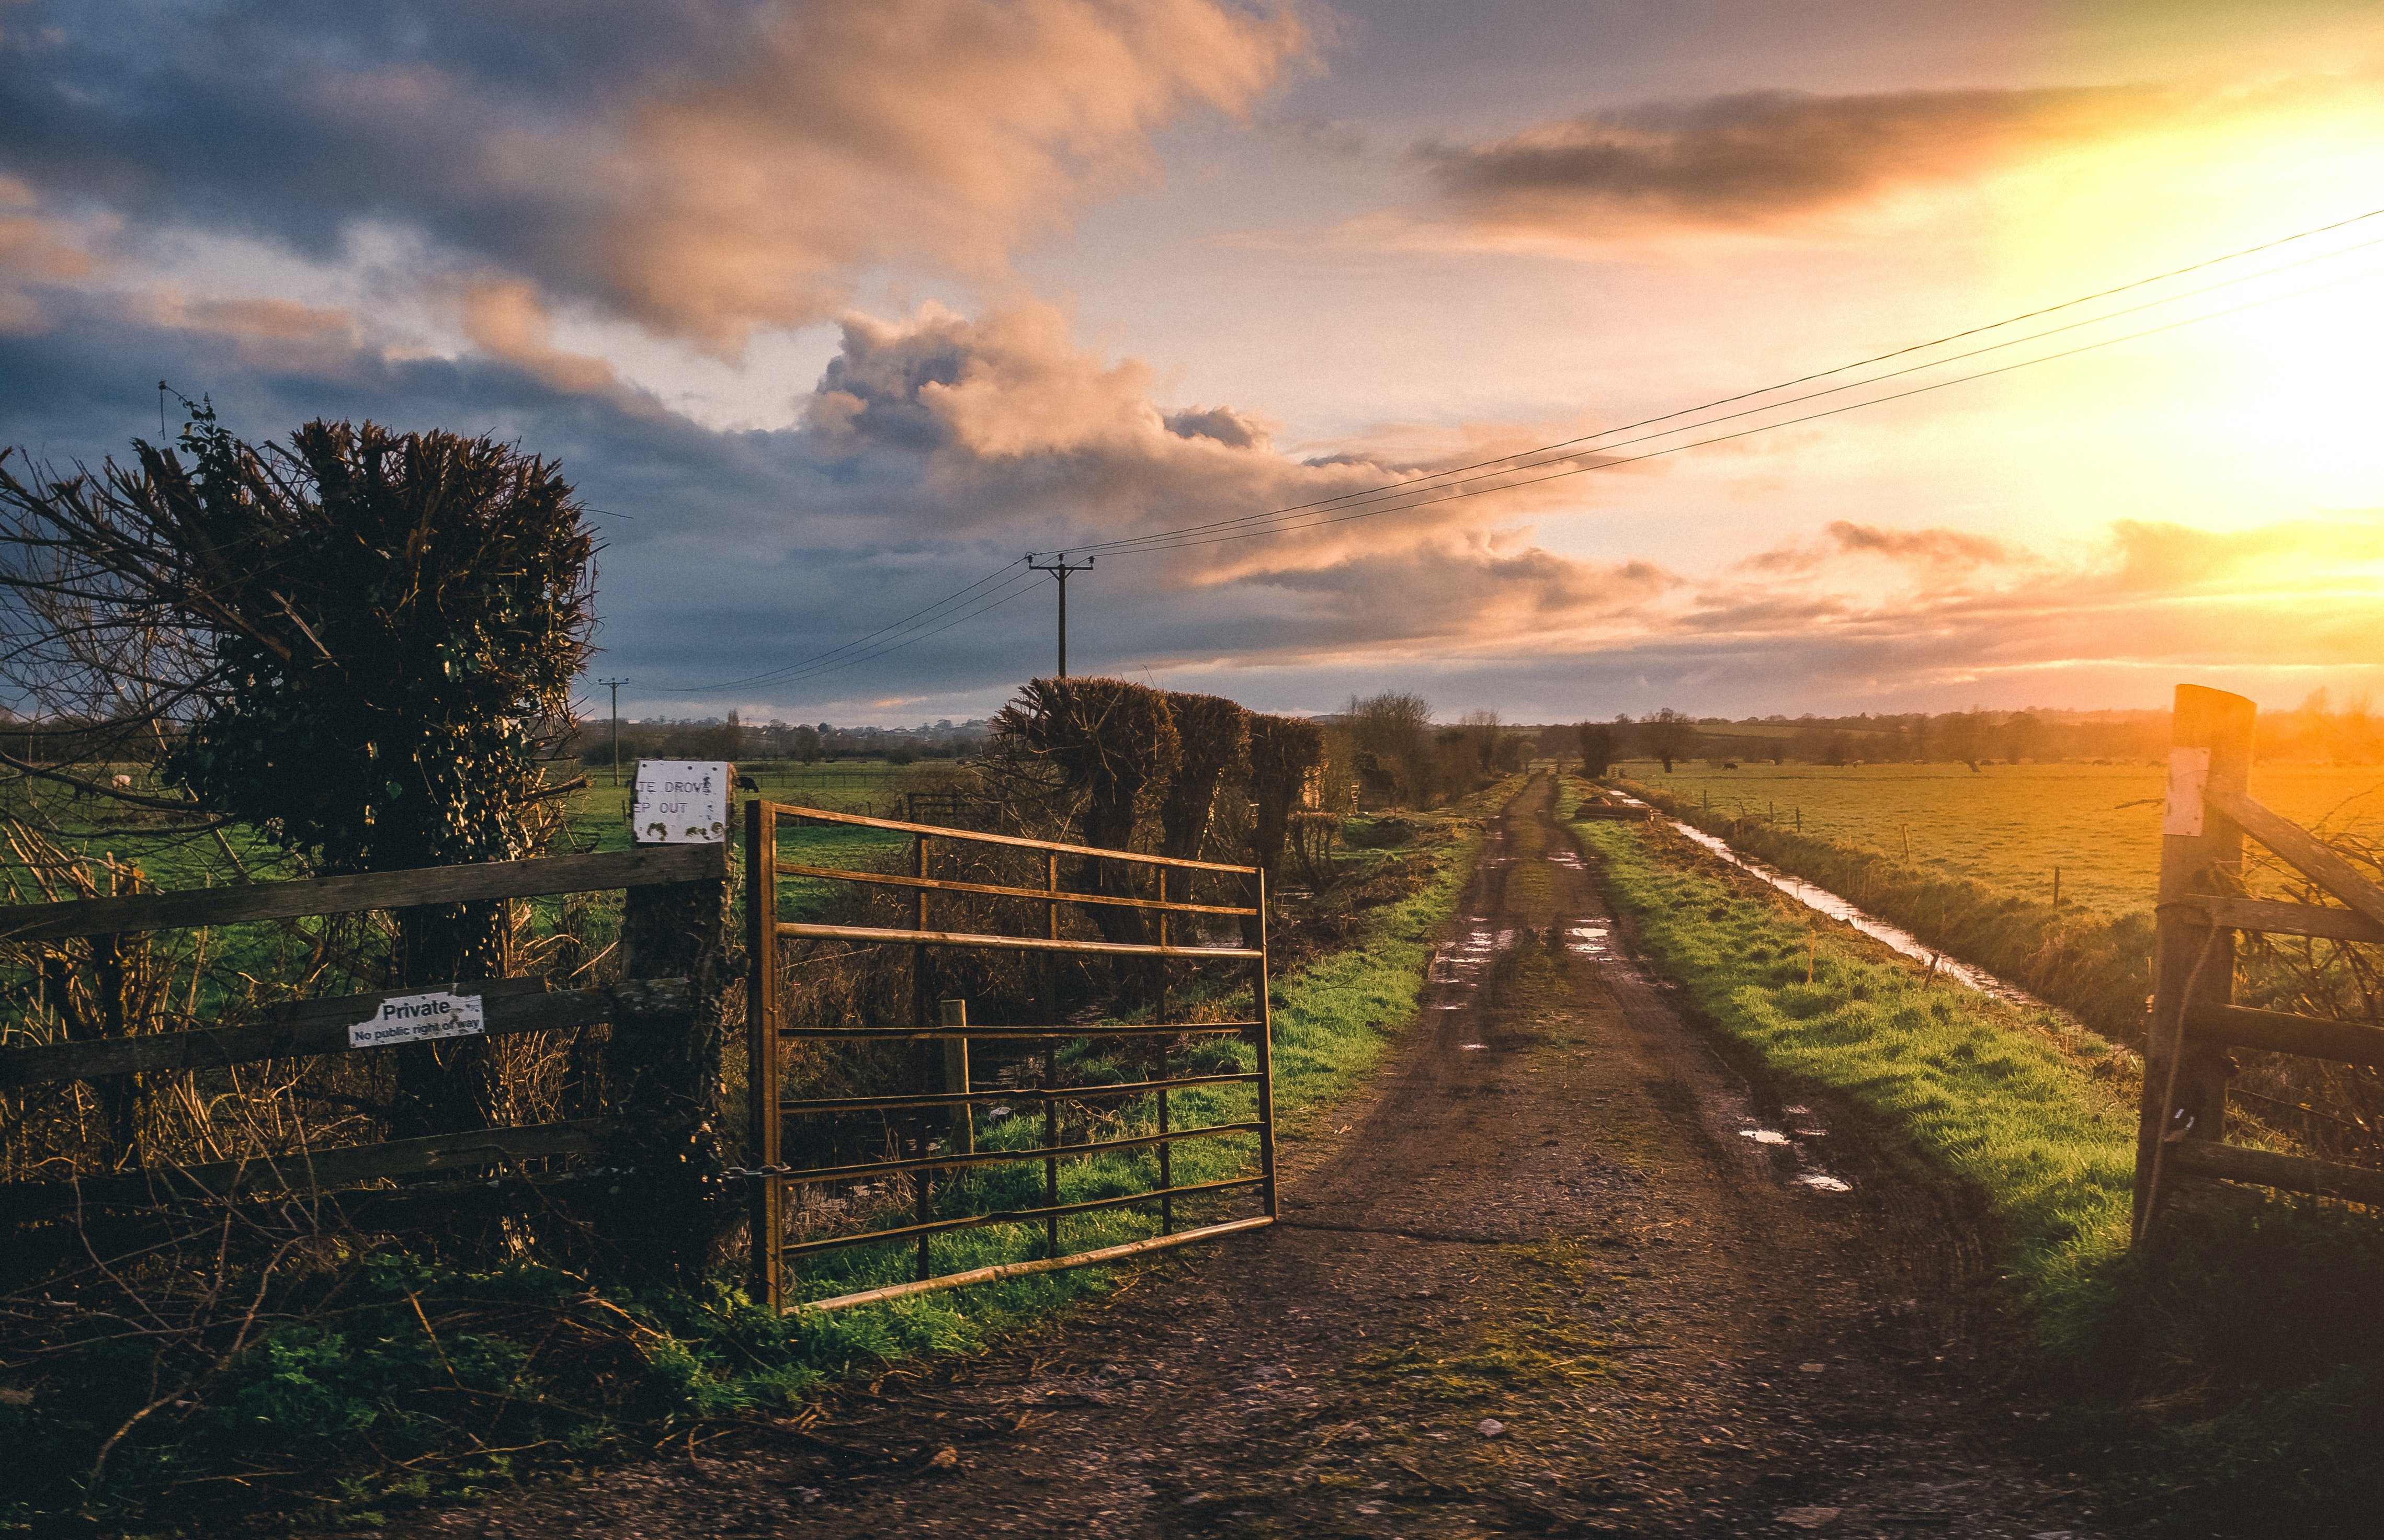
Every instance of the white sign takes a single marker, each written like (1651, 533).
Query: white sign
(420, 1018)
(680, 802)
(2188, 776)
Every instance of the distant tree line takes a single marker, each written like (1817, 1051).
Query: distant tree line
(731, 738)
(2317, 730)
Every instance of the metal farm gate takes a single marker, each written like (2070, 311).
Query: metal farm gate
(928, 1164)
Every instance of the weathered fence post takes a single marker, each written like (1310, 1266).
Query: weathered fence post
(2185, 1084)
(667, 1203)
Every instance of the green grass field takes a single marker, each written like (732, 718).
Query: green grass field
(2009, 825)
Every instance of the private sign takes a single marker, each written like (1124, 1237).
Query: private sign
(419, 1019)
(680, 803)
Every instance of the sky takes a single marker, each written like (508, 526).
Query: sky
(833, 312)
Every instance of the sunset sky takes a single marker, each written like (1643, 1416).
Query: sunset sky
(833, 310)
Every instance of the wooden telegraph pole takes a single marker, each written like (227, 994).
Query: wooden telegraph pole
(2202, 852)
(1059, 567)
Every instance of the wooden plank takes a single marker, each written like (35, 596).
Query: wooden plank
(319, 1169)
(894, 879)
(2276, 918)
(787, 810)
(2283, 1032)
(2300, 848)
(1014, 943)
(2266, 1168)
(289, 1031)
(285, 900)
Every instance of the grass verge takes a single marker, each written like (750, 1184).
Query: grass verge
(2096, 966)
(2226, 1374)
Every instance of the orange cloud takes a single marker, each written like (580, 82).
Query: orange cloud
(507, 320)
(939, 134)
(1762, 159)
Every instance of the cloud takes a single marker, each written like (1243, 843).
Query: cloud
(508, 321)
(1758, 160)
(936, 134)
(700, 167)
(1934, 548)
(731, 553)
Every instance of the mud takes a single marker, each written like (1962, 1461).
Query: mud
(1540, 1284)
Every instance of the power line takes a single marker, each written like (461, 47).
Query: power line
(1332, 519)
(1399, 489)
(773, 675)
(1251, 527)
(1401, 496)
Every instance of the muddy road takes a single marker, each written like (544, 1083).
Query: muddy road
(1563, 1270)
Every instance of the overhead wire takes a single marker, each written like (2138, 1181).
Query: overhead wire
(1398, 488)
(1330, 518)
(927, 611)
(1438, 486)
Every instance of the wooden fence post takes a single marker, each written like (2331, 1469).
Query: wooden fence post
(2185, 1084)
(668, 1202)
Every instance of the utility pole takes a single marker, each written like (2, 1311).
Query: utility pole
(616, 686)
(1060, 568)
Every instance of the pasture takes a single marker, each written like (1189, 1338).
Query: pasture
(2007, 826)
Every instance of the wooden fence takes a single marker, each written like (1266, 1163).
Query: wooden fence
(663, 1062)
(2194, 1020)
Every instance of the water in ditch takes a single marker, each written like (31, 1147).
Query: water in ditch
(1824, 901)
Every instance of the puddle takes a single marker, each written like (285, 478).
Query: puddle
(1588, 940)
(1811, 1175)
(1821, 899)
(1471, 1046)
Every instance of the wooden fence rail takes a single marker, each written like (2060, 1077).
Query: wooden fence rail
(2200, 910)
(663, 1062)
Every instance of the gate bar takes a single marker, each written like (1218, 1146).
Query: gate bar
(1016, 1216)
(1048, 1264)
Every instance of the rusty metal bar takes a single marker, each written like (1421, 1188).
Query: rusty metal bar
(1052, 1141)
(945, 885)
(1050, 1154)
(1048, 1264)
(801, 931)
(1265, 1033)
(1166, 1152)
(1078, 1093)
(788, 810)
(762, 1045)
(1019, 1034)
(1017, 1216)
(919, 1017)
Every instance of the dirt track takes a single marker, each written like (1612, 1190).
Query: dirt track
(1547, 1216)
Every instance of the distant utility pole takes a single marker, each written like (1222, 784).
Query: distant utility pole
(1059, 567)
(616, 686)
